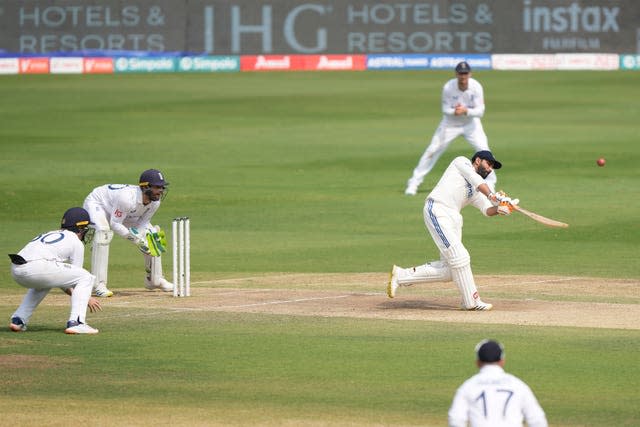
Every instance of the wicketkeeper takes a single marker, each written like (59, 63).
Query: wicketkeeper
(127, 211)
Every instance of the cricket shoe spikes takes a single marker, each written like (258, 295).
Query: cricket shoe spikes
(480, 306)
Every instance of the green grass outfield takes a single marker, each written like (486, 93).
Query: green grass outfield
(304, 172)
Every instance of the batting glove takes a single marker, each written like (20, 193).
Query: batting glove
(506, 207)
(499, 197)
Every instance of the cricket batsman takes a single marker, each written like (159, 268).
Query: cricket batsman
(127, 210)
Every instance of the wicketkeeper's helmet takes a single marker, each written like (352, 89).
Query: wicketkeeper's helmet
(152, 177)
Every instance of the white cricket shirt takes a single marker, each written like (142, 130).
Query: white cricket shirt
(458, 187)
(59, 245)
(494, 398)
(123, 205)
(472, 98)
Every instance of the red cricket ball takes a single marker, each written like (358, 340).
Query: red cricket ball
(601, 161)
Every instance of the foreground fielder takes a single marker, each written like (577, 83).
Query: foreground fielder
(127, 210)
(494, 398)
(54, 260)
(462, 183)
(462, 108)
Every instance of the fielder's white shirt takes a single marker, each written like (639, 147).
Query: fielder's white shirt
(494, 398)
(57, 245)
(458, 187)
(123, 206)
(472, 98)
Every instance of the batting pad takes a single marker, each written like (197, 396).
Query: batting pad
(429, 272)
(460, 263)
(463, 278)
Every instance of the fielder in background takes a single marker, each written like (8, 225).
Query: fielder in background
(127, 210)
(54, 260)
(462, 183)
(462, 108)
(494, 398)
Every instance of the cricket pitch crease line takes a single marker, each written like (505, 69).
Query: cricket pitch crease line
(280, 302)
(533, 282)
(239, 279)
(173, 310)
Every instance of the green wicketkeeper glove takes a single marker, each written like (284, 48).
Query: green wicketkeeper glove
(157, 242)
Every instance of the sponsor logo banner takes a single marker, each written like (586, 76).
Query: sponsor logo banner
(523, 62)
(208, 63)
(152, 64)
(439, 62)
(302, 62)
(587, 61)
(65, 65)
(630, 62)
(9, 66)
(34, 65)
(558, 61)
(98, 66)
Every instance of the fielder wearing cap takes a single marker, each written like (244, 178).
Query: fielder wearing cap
(492, 397)
(462, 105)
(54, 260)
(463, 68)
(126, 210)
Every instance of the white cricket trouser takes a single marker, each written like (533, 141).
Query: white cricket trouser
(445, 226)
(40, 276)
(473, 132)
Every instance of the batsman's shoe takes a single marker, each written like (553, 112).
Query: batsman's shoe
(74, 327)
(17, 325)
(392, 286)
(480, 306)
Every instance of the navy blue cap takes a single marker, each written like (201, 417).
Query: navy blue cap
(75, 219)
(489, 351)
(463, 67)
(152, 177)
(487, 155)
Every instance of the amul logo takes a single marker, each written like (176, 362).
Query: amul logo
(572, 18)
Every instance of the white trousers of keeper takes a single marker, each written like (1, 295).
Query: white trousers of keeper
(473, 132)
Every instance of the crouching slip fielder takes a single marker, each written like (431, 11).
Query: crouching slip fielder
(127, 210)
(54, 260)
(462, 183)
